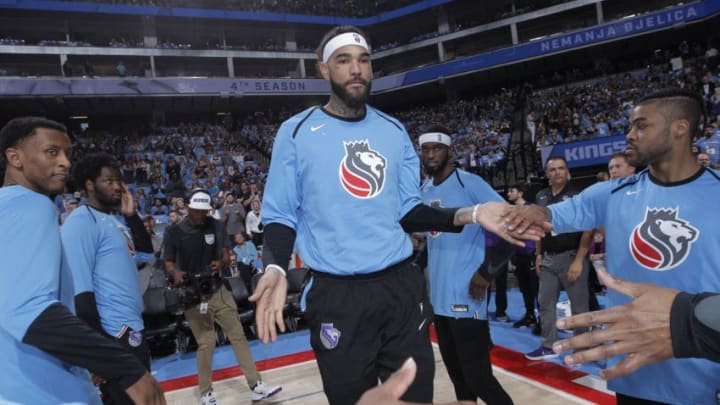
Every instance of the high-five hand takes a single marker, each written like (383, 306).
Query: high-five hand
(269, 296)
(640, 329)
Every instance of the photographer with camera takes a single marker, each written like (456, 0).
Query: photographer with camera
(195, 251)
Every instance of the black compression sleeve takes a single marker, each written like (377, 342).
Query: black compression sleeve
(694, 326)
(496, 260)
(86, 309)
(61, 334)
(278, 243)
(423, 218)
(141, 237)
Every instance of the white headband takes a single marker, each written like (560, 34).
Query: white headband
(437, 137)
(348, 38)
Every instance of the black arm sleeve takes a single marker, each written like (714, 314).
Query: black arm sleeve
(61, 334)
(141, 237)
(423, 218)
(86, 309)
(695, 326)
(278, 243)
(496, 260)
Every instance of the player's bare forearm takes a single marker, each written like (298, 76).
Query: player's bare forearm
(463, 216)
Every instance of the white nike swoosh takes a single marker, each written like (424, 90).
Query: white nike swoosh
(422, 324)
(631, 192)
(315, 128)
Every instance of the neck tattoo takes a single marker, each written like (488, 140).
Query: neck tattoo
(339, 108)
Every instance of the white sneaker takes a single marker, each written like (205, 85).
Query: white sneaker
(209, 398)
(261, 391)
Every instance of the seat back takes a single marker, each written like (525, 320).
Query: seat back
(158, 301)
(297, 278)
(237, 287)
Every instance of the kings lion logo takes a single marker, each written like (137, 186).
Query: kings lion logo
(362, 170)
(329, 336)
(663, 240)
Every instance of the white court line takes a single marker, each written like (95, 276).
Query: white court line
(593, 382)
(587, 381)
(542, 386)
(179, 390)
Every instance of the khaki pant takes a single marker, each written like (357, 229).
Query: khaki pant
(223, 310)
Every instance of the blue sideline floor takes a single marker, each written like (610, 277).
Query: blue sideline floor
(503, 334)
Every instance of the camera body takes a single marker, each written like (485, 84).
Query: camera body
(198, 287)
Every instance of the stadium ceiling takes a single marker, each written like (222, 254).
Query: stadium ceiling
(475, 84)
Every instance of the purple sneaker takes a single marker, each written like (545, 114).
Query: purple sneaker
(541, 353)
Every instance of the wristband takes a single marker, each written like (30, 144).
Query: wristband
(474, 214)
(276, 267)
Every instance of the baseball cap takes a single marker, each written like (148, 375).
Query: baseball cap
(200, 200)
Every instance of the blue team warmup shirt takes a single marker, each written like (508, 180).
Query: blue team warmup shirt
(453, 258)
(343, 186)
(666, 234)
(32, 281)
(99, 251)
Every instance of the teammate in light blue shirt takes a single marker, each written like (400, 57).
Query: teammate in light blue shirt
(25, 294)
(457, 288)
(661, 227)
(92, 240)
(99, 247)
(44, 348)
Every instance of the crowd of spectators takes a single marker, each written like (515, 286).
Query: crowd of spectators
(599, 107)
(173, 160)
(164, 163)
(480, 126)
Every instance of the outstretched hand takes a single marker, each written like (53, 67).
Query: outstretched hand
(269, 296)
(640, 329)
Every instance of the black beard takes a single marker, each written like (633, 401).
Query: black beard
(106, 201)
(430, 171)
(351, 101)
